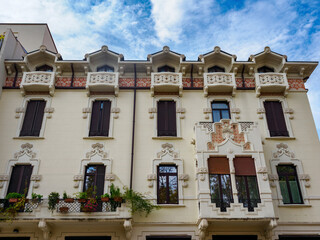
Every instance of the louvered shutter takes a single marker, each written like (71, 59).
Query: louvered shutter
(218, 165)
(95, 118)
(105, 121)
(20, 179)
(275, 119)
(28, 118)
(167, 123)
(244, 166)
(161, 117)
(172, 120)
(27, 171)
(38, 118)
(100, 178)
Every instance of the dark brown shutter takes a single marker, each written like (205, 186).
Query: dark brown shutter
(101, 169)
(218, 165)
(33, 117)
(38, 117)
(244, 166)
(172, 120)
(105, 121)
(167, 125)
(161, 117)
(275, 119)
(20, 179)
(95, 117)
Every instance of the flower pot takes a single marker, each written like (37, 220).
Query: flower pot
(105, 199)
(63, 209)
(69, 200)
(118, 199)
(13, 200)
(81, 200)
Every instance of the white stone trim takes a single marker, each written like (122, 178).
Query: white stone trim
(180, 112)
(167, 155)
(284, 156)
(234, 111)
(96, 155)
(20, 113)
(114, 113)
(287, 113)
(25, 156)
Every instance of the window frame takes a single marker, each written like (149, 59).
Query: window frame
(167, 175)
(233, 110)
(220, 110)
(20, 177)
(166, 66)
(46, 66)
(216, 67)
(105, 66)
(99, 193)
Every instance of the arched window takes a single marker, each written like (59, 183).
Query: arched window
(215, 69)
(265, 69)
(165, 68)
(44, 68)
(105, 68)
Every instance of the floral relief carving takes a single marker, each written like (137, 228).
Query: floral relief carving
(49, 111)
(181, 111)
(261, 112)
(105, 78)
(236, 112)
(264, 172)
(166, 78)
(306, 178)
(290, 112)
(167, 148)
(38, 77)
(151, 178)
(219, 78)
(26, 148)
(184, 178)
(271, 78)
(86, 112)
(97, 148)
(110, 177)
(77, 179)
(116, 112)
(202, 172)
(207, 112)
(3, 179)
(282, 148)
(19, 111)
(273, 178)
(152, 111)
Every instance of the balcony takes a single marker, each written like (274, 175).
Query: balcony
(103, 82)
(38, 82)
(166, 82)
(219, 82)
(271, 83)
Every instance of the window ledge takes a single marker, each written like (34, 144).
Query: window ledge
(170, 205)
(98, 137)
(280, 138)
(28, 137)
(166, 138)
(294, 205)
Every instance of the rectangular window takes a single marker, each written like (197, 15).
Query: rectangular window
(20, 179)
(100, 118)
(94, 179)
(220, 182)
(289, 184)
(275, 119)
(220, 110)
(167, 122)
(33, 117)
(167, 184)
(246, 182)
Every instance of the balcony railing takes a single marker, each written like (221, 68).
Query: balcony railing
(271, 82)
(166, 82)
(219, 82)
(86, 206)
(38, 82)
(26, 206)
(103, 82)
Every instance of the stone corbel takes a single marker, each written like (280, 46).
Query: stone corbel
(148, 70)
(23, 69)
(86, 69)
(207, 112)
(235, 70)
(9, 69)
(152, 111)
(45, 229)
(77, 179)
(200, 70)
(19, 111)
(110, 177)
(183, 70)
(268, 231)
(264, 172)
(302, 71)
(128, 228)
(3, 179)
(36, 179)
(251, 71)
(201, 173)
(121, 70)
(236, 112)
(285, 70)
(305, 178)
(115, 111)
(289, 111)
(49, 112)
(85, 112)
(181, 111)
(203, 225)
(273, 178)
(261, 112)
(184, 178)
(58, 71)
(151, 178)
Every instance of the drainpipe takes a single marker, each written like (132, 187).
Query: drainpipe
(133, 122)
(72, 77)
(191, 75)
(16, 75)
(242, 76)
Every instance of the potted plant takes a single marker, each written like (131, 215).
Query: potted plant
(11, 211)
(105, 197)
(115, 193)
(81, 196)
(36, 197)
(64, 209)
(53, 199)
(67, 198)
(13, 197)
(90, 206)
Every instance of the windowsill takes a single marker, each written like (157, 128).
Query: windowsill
(167, 138)
(98, 137)
(280, 138)
(294, 205)
(170, 205)
(28, 137)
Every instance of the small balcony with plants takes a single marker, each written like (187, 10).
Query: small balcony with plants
(38, 81)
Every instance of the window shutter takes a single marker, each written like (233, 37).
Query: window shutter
(172, 120)
(95, 116)
(20, 179)
(105, 121)
(38, 117)
(24, 187)
(275, 118)
(161, 112)
(218, 165)
(101, 169)
(28, 118)
(167, 125)
(244, 166)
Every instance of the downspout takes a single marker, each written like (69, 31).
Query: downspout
(72, 77)
(242, 76)
(133, 122)
(16, 75)
(191, 77)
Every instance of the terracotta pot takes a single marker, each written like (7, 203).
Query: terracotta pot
(13, 200)
(69, 200)
(87, 210)
(63, 209)
(105, 199)
(118, 199)
(82, 200)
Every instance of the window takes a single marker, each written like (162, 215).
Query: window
(215, 69)
(44, 68)
(275, 119)
(167, 123)
(265, 69)
(289, 184)
(246, 182)
(100, 118)
(94, 179)
(167, 184)
(33, 117)
(105, 68)
(220, 110)
(220, 182)
(166, 68)
(20, 179)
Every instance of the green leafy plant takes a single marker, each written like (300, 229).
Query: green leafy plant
(81, 195)
(10, 212)
(14, 195)
(53, 199)
(115, 193)
(36, 196)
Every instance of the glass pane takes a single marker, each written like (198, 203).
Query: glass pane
(225, 114)
(162, 191)
(286, 170)
(216, 115)
(226, 188)
(253, 189)
(214, 187)
(284, 191)
(89, 183)
(241, 188)
(167, 169)
(173, 189)
(91, 170)
(220, 105)
(296, 198)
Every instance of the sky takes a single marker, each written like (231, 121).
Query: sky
(189, 27)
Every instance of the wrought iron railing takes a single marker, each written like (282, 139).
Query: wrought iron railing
(78, 206)
(27, 206)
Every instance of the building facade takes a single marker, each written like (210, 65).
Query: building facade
(227, 148)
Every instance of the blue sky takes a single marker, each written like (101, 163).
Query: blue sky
(191, 27)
